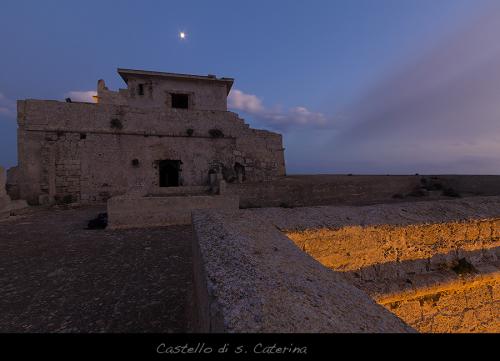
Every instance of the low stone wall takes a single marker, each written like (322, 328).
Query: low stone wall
(437, 277)
(4, 198)
(482, 185)
(7, 205)
(249, 277)
(317, 190)
(12, 185)
(458, 305)
(433, 264)
(359, 247)
(132, 212)
(175, 191)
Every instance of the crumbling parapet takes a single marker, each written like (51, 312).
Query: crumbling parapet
(4, 198)
(12, 183)
(8, 206)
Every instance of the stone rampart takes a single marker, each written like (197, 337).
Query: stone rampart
(433, 264)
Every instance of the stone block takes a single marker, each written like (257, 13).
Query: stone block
(130, 211)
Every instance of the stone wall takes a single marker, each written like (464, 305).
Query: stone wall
(465, 306)
(8, 206)
(146, 89)
(82, 152)
(434, 264)
(351, 248)
(249, 277)
(138, 212)
(313, 190)
(317, 190)
(436, 277)
(203, 95)
(4, 198)
(13, 183)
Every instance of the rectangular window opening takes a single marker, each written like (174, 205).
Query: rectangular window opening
(180, 101)
(141, 89)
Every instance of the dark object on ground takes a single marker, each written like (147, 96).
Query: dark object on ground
(463, 267)
(98, 223)
(450, 192)
(68, 100)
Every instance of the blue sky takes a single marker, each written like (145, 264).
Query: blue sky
(345, 81)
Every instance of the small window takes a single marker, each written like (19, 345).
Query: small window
(83, 136)
(180, 101)
(140, 90)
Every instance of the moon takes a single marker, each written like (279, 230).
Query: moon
(182, 35)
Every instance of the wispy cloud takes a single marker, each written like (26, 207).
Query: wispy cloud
(7, 106)
(82, 96)
(275, 117)
(440, 113)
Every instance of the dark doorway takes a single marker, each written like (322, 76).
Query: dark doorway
(169, 173)
(239, 169)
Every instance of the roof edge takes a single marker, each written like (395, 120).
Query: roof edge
(124, 73)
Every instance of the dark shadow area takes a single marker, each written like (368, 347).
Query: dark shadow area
(412, 274)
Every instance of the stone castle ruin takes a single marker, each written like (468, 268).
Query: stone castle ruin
(268, 252)
(163, 130)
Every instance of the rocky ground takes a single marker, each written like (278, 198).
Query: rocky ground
(57, 276)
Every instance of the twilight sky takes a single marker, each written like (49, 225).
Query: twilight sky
(355, 86)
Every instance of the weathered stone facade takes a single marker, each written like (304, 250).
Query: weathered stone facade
(4, 198)
(7, 205)
(86, 152)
